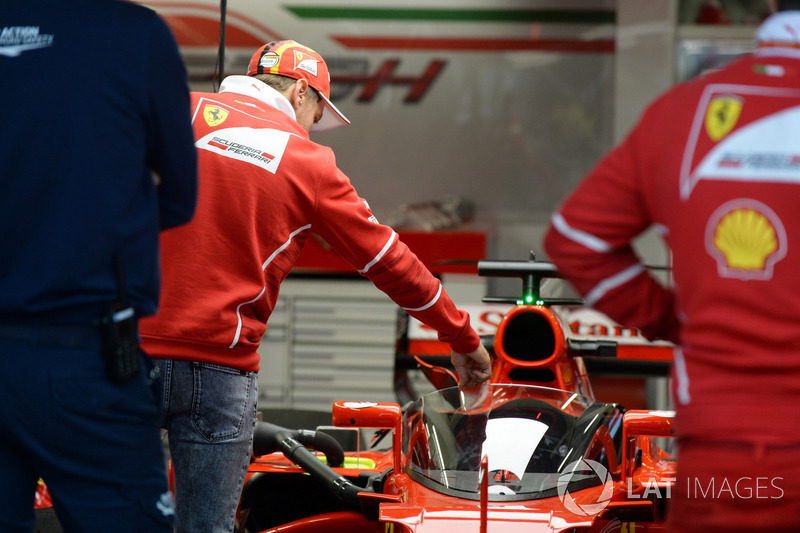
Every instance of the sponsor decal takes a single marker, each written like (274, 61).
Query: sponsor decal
(770, 70)
(721, 116)
(746, 238)
(269, 60)
(241, 149)
(42, 497)
(260, 147)
(731, 141)
(385, 75)
(14, 40)
(165, 504)
(359, 405)
(303, 61)
(372, 218)
(214, 115)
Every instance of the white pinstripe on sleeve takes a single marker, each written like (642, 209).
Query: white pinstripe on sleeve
(581, 237)
(383, 251)
(600, 246)
(427, 305)
(612, 282)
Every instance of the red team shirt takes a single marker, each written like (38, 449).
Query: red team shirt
(714, 164)
(265, 188)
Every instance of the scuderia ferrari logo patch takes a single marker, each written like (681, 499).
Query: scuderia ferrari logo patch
(722, 115)
(261, 147)
(214, 116)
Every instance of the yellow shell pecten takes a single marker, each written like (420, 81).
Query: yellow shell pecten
(746, 238)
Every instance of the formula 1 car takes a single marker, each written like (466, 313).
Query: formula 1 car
(532, 450)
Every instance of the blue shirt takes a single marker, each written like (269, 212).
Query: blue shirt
(94, 105)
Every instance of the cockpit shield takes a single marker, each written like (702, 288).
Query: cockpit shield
(531, 435)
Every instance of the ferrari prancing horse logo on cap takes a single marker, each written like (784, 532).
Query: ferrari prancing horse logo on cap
(214, 115)
(305, 62)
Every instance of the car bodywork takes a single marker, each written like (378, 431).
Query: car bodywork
(532, 450)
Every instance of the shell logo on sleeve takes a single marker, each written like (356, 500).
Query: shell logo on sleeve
(746, 238)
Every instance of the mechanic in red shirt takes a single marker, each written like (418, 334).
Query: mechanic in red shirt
(714, 164)
(265, 188)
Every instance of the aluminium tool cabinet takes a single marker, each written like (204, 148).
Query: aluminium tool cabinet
(329, 338)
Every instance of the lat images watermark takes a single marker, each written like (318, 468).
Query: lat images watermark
(581, 468)
(743, 488)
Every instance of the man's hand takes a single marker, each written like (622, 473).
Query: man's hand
(472, 368)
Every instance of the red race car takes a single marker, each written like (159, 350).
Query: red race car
(532, 450)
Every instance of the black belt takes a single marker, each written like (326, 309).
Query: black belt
(73, 337)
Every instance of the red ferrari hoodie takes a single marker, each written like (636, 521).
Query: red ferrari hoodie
(265, 188)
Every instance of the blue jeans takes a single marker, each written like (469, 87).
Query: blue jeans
(209, 413)
(95, 444)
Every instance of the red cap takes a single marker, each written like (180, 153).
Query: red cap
(293, 60)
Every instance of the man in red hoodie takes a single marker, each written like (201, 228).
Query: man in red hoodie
(714, 164)
(265, 188)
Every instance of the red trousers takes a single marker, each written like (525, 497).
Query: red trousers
(735, 488)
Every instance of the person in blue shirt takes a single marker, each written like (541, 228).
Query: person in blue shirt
(96, 158)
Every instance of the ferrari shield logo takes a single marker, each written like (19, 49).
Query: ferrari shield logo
(214, 115)
(722, 115)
